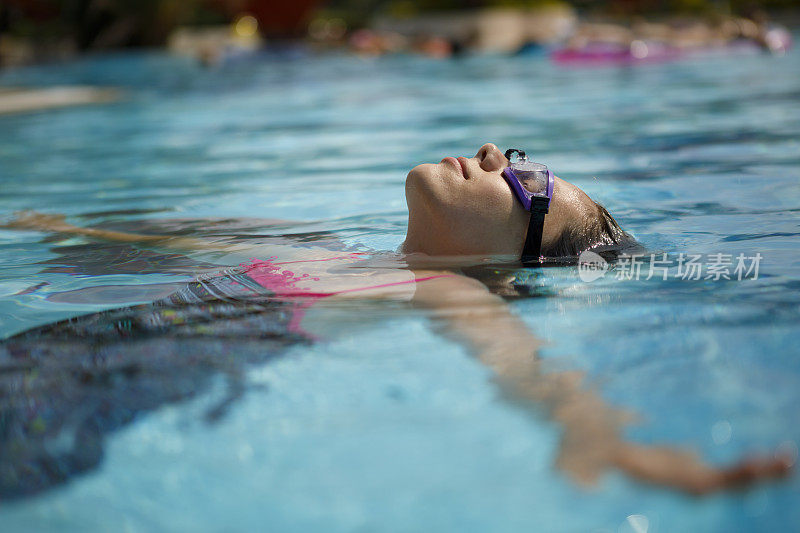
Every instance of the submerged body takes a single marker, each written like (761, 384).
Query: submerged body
(66, 385)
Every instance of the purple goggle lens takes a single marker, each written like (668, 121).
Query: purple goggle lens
(528, 179)
(532, 184)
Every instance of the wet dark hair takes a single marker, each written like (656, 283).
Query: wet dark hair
(601, 235)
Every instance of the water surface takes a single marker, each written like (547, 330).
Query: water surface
(388, 426)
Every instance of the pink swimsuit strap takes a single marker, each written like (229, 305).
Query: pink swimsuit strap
(283, 283)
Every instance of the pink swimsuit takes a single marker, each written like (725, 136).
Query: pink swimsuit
(283, 284)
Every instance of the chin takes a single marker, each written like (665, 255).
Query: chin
(420, 176)
(406, 248)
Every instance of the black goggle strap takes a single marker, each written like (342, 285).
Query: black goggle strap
(532, 250)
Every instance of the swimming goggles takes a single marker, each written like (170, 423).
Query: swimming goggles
(532, 185)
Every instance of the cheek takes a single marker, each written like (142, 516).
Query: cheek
(457, 216)
(486, 220)
(491, 202)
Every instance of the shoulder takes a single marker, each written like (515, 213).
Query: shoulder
(448, 289)
(442, 278)
(403, 284)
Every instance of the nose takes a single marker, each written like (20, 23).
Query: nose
(490, 158)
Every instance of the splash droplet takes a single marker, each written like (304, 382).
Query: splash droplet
(638, 523)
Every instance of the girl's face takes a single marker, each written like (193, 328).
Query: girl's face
(463, 206)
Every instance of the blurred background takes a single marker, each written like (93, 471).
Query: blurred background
(212, 30)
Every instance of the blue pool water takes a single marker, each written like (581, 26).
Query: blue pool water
(387, 426)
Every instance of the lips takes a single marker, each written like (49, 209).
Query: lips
(462, 162)
(457, 163)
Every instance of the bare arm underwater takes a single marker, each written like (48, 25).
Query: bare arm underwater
(35, 221)
(56, 223)
(465, 310)
(592, 440)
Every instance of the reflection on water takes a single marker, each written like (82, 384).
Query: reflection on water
(69, 384)
(698, 156)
